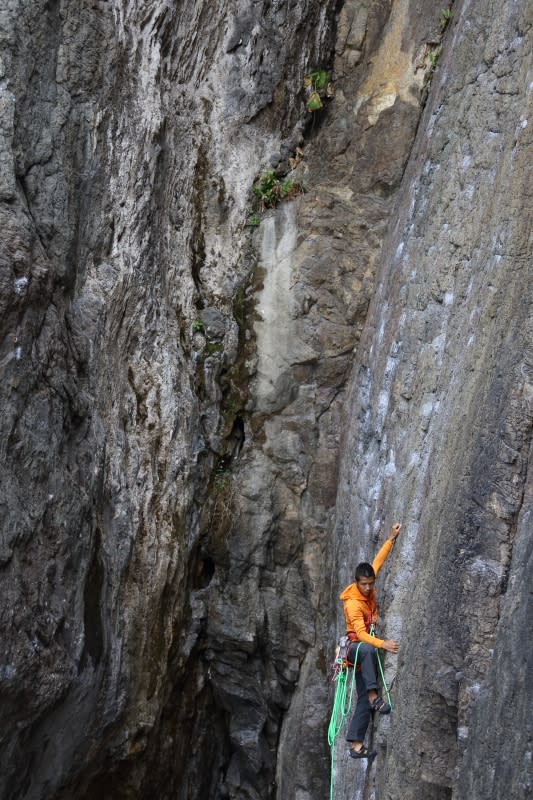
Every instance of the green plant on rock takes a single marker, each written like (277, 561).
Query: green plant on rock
(290, 188)
(198, 325)
(317, 79)
(221, 481)
(254, 220)
(266, 189)
(269, 190)
(445, 17)
(314, 103)
(432, 56)
(317, 86)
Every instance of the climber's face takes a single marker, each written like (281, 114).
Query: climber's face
(365, 585)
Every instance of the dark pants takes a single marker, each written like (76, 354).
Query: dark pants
(364, 681)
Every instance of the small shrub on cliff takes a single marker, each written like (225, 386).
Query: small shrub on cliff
(290, 189)
(445, 17)
(317, 79)
(317, 86)
(269, 190)
(221, 481)
(432, 56)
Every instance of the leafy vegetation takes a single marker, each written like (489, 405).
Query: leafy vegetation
(269, 190)
(221, 480)
(432, 56)
(445, 17)
(317, 86)
(318, 79)
(314, 102)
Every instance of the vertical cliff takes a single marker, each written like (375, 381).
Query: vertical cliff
(182, 370)
(440, 424)
(131, 136)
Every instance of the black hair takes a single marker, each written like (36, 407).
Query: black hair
(364, 570)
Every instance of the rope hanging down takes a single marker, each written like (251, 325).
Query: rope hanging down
(384, 682)
(341, 708)
(381, 670)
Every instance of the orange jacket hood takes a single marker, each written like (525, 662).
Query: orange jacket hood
(352, 593)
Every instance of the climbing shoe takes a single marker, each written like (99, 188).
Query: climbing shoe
(380, 706)
(364, 752)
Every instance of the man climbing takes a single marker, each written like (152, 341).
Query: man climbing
(361, 615)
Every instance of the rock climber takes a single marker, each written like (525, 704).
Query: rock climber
(360, 614)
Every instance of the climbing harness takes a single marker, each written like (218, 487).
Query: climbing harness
(342, 701)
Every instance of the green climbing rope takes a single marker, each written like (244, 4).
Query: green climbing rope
(341, 708)
(384, 681)
(342, 704)
(372, 633)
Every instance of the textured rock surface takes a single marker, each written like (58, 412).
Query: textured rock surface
(440, 428)
(318, 258)
(174, 391)
(131, 134)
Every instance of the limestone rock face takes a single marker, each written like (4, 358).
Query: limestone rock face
(439, 428)
(182, 370)
(131, 134)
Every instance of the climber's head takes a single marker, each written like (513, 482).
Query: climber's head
(365, 578)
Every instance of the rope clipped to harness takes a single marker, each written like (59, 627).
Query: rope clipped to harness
(342, 702)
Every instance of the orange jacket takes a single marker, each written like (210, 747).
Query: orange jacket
(360, 611)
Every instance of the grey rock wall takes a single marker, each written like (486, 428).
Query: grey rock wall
(317, 263)
(439, 430)
(178, 385)
(131, 134)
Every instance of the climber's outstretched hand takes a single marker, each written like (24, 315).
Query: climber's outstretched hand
(395, 530)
